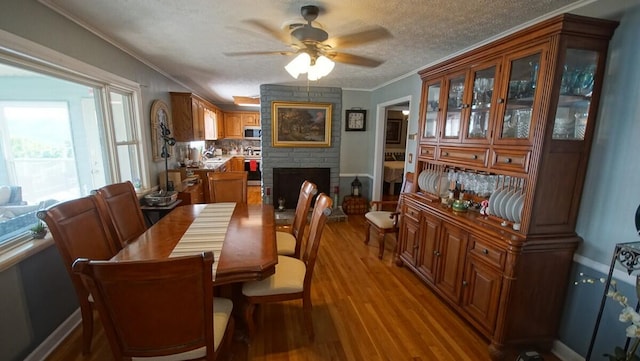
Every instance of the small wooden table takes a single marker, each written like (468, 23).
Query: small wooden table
(249, 251)
(161, 211)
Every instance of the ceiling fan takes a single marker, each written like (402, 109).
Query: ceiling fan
(313, 45)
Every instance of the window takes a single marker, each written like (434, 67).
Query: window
(61, 136)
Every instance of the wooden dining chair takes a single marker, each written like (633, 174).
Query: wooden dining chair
(227, 187)
(79, 229)
(292, 278)
(383, 220)
(123, 208)
(160, 309)
(289, 241)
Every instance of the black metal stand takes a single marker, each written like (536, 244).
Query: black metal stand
(628, 255)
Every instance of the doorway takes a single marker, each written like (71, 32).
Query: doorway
(390, 146)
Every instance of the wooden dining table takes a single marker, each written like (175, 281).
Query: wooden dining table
(248, 253)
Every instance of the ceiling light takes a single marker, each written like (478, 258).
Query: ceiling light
(405, 112)
(246, 101)
(315, 68)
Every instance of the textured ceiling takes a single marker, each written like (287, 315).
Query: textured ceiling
(186, 40)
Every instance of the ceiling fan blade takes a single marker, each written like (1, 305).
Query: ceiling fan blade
(355, 60)
(242, 53)
(273, 32)
(359, 38)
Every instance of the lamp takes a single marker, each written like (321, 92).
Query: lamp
(165, 132)
(356, 187)
(316, 67)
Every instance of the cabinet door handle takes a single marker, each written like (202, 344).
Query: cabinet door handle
(507, 160)
(485, 251)
(500, 100)
(445, 154)
(474, 157)
(465, 283)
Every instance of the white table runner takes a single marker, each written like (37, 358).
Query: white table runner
(206, 233)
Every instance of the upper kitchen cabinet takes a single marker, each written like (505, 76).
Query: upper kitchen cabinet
(234, 123)
(193, 118)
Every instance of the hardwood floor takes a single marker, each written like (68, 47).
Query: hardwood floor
(363, 309)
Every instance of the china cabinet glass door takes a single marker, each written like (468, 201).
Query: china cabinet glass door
(477, 125)
(455, 107)
(432, 109)
(516, 123)
(576, 87)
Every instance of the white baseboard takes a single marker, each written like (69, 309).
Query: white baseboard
(564, 353)
(56, 337)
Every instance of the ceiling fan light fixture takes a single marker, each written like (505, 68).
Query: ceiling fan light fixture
(299, 65)
(322, 67)
(315, 70)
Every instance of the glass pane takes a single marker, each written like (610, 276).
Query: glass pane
(121, 113)
(431, 115)
(575, 94)
(481, 106)
(522, 86)
(454, 107)
(128, 162)
(50, 144)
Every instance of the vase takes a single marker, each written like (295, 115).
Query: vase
(39, 234)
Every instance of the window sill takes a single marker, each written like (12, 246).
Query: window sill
(22, 250)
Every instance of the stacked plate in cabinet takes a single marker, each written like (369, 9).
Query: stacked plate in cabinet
(433, 182)
(507, 203)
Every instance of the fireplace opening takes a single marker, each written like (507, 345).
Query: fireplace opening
(287, 183)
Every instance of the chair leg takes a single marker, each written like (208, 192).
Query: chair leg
(366, 237)
(87, 327)
(381, 238)
(306, 309)
(249, 321)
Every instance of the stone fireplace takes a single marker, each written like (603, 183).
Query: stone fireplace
(304, 158)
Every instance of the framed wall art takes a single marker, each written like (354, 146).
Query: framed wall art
(301, 124)
(394, 131)
(159, 115)
(356, 120)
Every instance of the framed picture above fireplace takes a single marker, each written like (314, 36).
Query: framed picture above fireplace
(301, 124)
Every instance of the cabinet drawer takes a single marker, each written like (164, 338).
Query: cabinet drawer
(473, 156)
(411, 212)
(512, 160)
(484, 251)
(427, 152)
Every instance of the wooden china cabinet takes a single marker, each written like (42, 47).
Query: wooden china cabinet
(510, 123)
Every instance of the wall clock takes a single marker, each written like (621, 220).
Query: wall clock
(356, 120)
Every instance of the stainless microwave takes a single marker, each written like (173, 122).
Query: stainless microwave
(252, 133)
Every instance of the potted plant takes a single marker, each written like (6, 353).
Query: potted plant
(39, 230)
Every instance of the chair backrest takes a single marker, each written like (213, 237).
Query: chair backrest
(407, 187)
(79, 229)
(227, 186)
(321, 211)
(307, 191)
(155, 307)
(123, 208)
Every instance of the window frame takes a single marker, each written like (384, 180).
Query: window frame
(23, 53)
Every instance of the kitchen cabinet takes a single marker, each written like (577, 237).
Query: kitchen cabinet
(511, 123)
(236, 164)
(233, 126)
(250, 119)
(193, 118)
(193, 194)
(234, 123)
